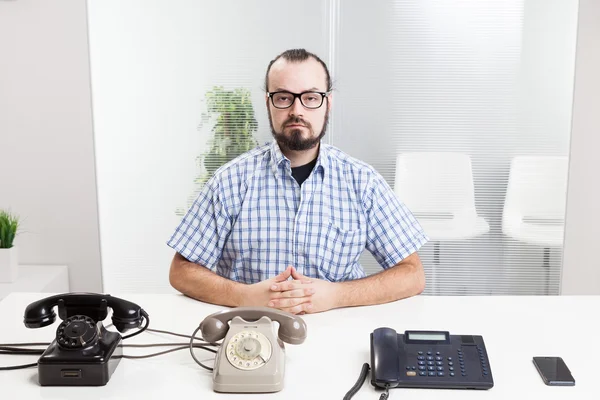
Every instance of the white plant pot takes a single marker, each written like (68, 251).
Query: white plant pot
(9, 265)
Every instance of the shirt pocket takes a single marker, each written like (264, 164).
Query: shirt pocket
(338, 252)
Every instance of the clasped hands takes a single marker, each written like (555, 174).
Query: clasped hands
(301, 295)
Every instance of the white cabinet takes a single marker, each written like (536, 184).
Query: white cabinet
(38, 278)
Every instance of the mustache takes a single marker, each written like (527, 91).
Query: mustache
(296, 121)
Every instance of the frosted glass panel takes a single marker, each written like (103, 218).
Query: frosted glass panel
(463, 106)
(459, 89)
(152, 64)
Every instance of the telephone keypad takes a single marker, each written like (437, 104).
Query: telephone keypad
(429, 365)
(439, 365)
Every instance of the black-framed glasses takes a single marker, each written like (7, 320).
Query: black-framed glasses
(285, 99)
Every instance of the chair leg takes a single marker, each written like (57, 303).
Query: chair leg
(547, 268)
(436, 265)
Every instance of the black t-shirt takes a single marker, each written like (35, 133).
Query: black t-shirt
(303, 171)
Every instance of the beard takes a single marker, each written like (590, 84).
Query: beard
(293, 140)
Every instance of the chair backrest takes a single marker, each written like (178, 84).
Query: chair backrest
(435, 183)
(537, 188)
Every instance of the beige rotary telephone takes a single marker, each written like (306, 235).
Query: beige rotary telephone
(251, 359)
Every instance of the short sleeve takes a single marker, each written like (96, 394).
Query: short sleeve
(393, 232)
(201, 235)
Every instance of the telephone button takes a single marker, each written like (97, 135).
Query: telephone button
(449, 358)
(420, 353)
(450, 363)
(421, 357)
(432, 374)
(430, 358)
(421, 362)
(411, 373)
(423, 373)
(440, 374)
(428, 353)
(451, 373)
(422, 368)
(431, 368)
(440, 368)
(451, 368)
(439, 363)
(407, 367)
(438, 358)
(430, 363)
(437, 353)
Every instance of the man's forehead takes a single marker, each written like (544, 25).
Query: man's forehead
(308, 74)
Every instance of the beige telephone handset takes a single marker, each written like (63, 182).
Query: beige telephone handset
(251, 359)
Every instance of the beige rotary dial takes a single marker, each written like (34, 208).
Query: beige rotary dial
(248, 349)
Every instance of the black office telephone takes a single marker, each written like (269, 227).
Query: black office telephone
(84, 352)
(426, 359)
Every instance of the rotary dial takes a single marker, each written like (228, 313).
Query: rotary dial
(248, 350)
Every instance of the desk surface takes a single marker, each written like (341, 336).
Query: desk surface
(328, 363)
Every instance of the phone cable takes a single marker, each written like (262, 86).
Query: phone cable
(17, 348)
(192, 351)
(361, 380)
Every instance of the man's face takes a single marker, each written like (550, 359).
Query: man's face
(297, 127)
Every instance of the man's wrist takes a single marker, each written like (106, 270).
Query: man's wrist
(241, 294)
(339, 294)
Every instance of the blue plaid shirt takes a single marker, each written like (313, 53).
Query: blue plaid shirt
(252, 219)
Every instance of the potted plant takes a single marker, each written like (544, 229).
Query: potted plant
(9, 223)
(232, 117)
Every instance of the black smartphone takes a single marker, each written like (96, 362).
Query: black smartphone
(554, 371)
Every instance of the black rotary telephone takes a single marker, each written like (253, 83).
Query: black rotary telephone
(84, 352)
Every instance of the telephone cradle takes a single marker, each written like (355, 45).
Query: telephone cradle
(429, 359)
(251, 359)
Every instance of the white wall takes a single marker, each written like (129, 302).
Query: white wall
(46, 143)
(581, 269)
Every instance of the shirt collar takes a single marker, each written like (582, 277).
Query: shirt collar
(277, 157)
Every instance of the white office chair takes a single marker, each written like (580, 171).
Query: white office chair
(438, 188)
(534, 208)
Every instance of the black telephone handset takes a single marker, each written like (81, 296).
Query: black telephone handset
(83, 352)
(384, 358)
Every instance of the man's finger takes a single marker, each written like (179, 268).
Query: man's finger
(299, 309)
(303, 292)
(297, 275)
(283, 276)
(288, 302)
(288, 285)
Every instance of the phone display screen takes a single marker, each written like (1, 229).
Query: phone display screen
(427, 336)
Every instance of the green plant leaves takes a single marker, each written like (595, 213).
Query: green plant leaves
(232, 133)
(233, 129)
(9, 224)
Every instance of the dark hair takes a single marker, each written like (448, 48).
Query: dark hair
(297, 55)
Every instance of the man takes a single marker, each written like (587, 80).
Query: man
(283, 225)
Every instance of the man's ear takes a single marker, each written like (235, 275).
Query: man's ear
(329, 101)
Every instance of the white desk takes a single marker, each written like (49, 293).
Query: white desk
(38, 279)
(328, 363)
